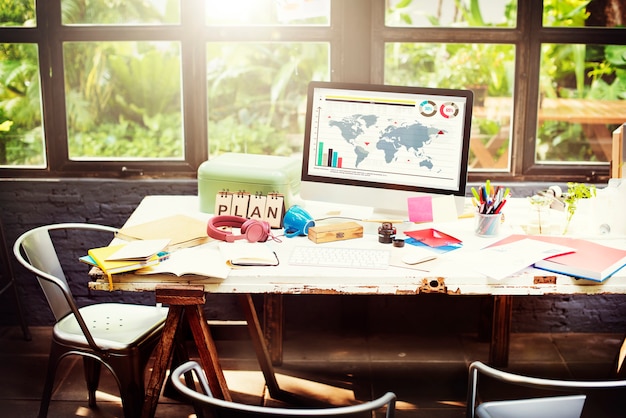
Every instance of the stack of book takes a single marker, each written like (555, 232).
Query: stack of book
(126, 257)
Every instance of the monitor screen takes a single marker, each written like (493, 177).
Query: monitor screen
(377, 145)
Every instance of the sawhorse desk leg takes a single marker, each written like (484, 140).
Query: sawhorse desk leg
(500, 330)
(184, 302)
(273, 320)
(260, 346)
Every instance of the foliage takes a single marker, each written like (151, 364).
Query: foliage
(17, 12)
(254, 90)
(575, 192)
(157, 137)
(576, 71)
(20, 103)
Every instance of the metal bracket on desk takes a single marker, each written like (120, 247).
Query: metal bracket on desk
(434, 285)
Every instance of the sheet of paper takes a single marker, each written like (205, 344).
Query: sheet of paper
(420, 208)
(505, 260)
(139, 250)
(444, 209)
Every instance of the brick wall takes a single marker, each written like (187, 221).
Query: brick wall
(28, 203)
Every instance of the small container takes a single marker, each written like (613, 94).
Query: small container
(487, 225)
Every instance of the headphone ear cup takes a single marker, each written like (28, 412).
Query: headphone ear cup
(248, 223)
(255, 231)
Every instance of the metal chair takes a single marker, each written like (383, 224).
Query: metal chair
(568, 406)
(222, 408)
(119, 336)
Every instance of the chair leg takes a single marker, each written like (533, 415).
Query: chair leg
(56, 353)
(92, 369)
(129, 371)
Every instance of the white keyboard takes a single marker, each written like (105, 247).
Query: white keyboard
(366, 258)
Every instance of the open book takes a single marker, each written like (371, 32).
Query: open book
(203, 260)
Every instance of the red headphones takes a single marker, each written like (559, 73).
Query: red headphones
(251, 229)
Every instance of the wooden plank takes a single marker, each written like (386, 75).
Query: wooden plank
(180, 294)
(163, 359)
(501, 328)
(207, 352)
(260, 347)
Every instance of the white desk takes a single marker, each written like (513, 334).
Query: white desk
(445, 275)
(452, 277)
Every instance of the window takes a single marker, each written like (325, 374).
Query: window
(156, 87)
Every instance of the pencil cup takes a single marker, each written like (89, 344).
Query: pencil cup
(487, 225)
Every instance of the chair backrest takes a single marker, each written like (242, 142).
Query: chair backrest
(228, 408)
(42, 260)
(550, 406)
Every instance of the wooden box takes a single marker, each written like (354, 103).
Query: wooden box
(335, 232)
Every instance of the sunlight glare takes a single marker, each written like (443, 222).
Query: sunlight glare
(241, 11)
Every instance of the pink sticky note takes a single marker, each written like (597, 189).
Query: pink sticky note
(420, 209)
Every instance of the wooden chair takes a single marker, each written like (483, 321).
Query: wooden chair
(222, 408)
(119, 336)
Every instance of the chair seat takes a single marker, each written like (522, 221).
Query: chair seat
(114, 326)
(550, 407)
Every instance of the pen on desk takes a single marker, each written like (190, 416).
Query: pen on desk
(475, 193)
(499, 208)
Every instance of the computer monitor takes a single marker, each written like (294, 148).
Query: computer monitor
(377, 145)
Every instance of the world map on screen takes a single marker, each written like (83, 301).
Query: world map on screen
(362, 131)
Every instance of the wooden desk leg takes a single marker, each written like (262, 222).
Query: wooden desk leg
(501, 328)
(164, 354)
(207, 352)
(273, 319)
(260, 347)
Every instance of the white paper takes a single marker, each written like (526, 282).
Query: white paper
(504, 260)
(139, 250)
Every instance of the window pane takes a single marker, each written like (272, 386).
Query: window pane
(268, 12)
(123, 100)
(451, 13)
(257, 94)
(17, 13)
(582, 100)
(126, 12)
(487, 69)
(580, 13)
(21, 130)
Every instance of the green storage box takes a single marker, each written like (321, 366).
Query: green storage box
(250, 173)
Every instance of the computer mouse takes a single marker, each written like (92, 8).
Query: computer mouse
(417, 257)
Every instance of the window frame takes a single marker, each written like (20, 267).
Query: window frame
(357, 35)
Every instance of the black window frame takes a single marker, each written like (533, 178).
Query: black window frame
(357, 35)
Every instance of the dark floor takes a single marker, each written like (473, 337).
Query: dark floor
(428, 373)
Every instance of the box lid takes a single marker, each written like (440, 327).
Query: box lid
(250, 168)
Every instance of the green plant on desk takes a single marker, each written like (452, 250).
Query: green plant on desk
(575, 192)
